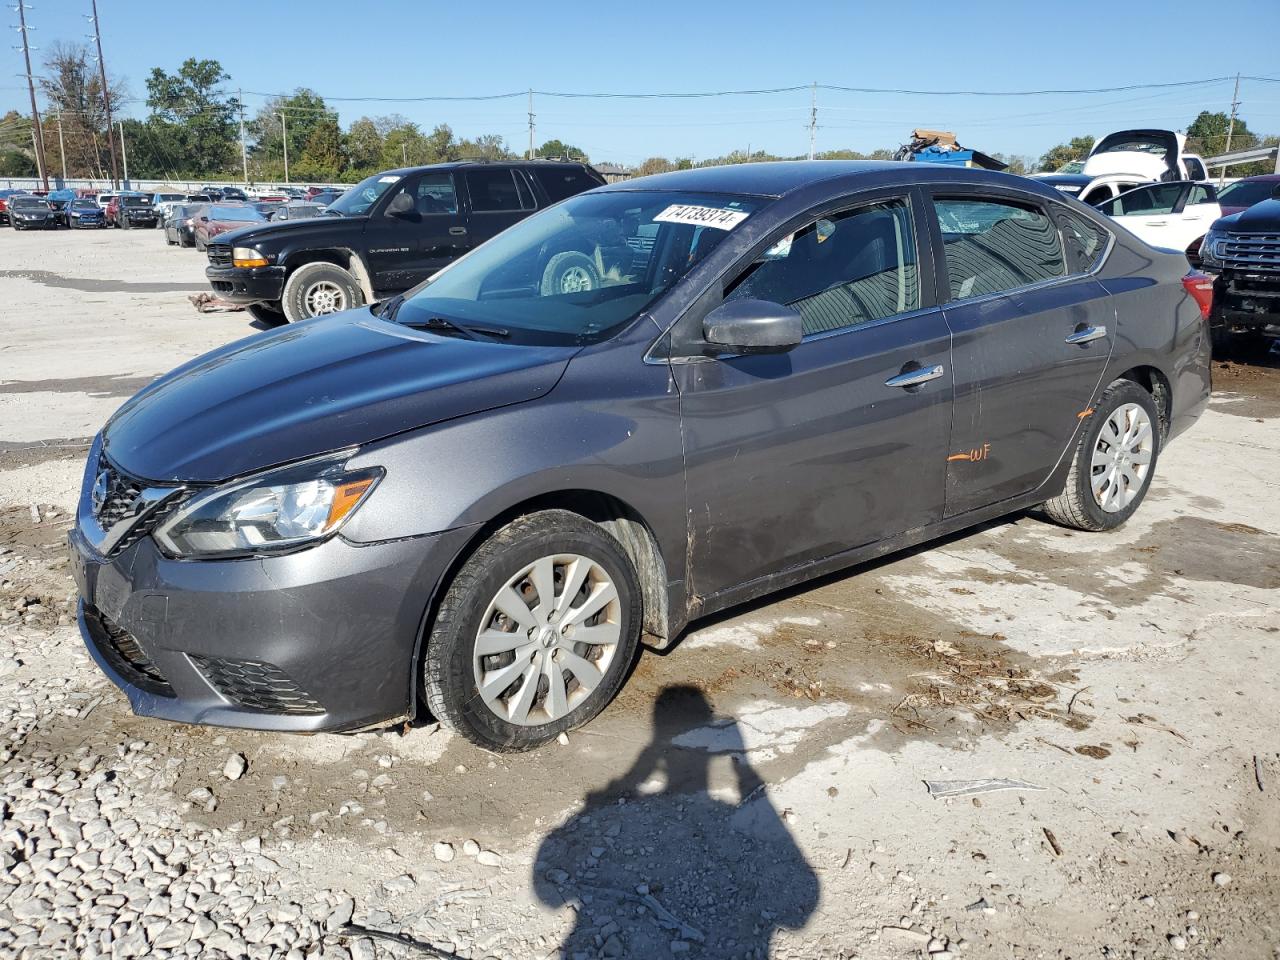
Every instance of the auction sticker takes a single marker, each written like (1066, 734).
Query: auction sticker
(716, 217)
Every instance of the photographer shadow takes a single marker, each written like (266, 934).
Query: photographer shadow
(659, 863)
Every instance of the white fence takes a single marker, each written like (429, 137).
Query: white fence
(147, 186)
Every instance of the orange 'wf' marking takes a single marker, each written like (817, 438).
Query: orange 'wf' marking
(1084, 413)
(973, 456)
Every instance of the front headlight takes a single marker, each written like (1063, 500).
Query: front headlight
(273, 512)
(1211, 247)
(247, 257)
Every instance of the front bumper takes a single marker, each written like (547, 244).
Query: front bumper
(321, 639)
(1247, 300)
(246, 284)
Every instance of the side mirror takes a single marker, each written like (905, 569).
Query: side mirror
(400, 205)
(753, 326)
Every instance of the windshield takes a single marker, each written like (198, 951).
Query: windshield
(28, 203)
(84, 205)
(357, 201)
(1245, 193)
(578, 271)
(136, 201)
(166, 197)
(234, 213)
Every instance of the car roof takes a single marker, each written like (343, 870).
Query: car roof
(779, 178)
(1261, 176)
(456, 164)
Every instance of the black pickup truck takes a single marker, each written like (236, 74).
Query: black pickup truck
(1242, 251)
(384, 235)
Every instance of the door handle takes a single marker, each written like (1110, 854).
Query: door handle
(1087, 334)
(913, 378)
(457, 231)
(1157, 223)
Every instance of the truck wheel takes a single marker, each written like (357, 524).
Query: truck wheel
(569, 272)
(315, 289)
(536, 633)
(1113, 463)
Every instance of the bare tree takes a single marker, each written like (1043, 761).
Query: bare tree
(73, 88)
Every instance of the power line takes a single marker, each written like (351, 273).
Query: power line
(37, 133)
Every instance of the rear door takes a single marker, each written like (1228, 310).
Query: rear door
(426, 233)
(498, 197)
(1032, 334)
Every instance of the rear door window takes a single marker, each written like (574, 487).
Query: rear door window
(495, 191)
(562, 182)
(1157, 199)
(997, 245)
(1084, 241)
(842, 270)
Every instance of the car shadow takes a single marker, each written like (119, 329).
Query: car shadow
(683, 852)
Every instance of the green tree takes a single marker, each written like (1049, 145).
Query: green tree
(557, 148)
(202, 133)
(322, 156)
(1077, 148)
(489, 146)
(363, 147)
(303, 112)
(15, 163)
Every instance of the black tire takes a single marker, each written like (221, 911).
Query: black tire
(1077, 507)
(124, 223)
(265, 313)
(304, 281)
(448, 677)
(569, 272)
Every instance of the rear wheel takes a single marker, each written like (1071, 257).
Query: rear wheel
(316, 289)
(1113, 463)
(535, 634)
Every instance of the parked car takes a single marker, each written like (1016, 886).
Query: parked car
(132, 210)
(29, 212)
(162, 202)
(385, 234)
(104, 199)
(1147, 154)
(325, 197)
(84, 212)
(297, 210)
(4, 203)
(267, 208)
(1244, 193)
(484, 491)
(222, 217)
(213, 193)
(1092, 190)
(1242, 251)
(1175, 215)
(180, 228)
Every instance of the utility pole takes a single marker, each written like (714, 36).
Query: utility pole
(106, 96)
(36, 132)
(284, 138)
(404, 151)
(244, 150)
(62, 147)
(124, 156)
(530, 123)
(813, 121)
(1231, 129)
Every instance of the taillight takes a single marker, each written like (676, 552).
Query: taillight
(1200, 286)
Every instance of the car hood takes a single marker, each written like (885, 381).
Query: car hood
(1262, 217)
(313, 387)
(285, 231)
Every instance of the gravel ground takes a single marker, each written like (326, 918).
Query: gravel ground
(757, 791)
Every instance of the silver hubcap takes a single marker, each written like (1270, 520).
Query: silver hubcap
(1122, 458)
(547, 639)
(324, 296)
(575, 280)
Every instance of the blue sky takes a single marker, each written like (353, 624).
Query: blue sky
(402, 48)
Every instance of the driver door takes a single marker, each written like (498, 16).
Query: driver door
(418, 230)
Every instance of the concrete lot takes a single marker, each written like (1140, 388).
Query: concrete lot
(759, 790)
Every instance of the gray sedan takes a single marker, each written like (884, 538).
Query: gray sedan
(646, 404)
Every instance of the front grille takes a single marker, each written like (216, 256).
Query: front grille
(256, 685)
(1252, 251)
(220, 254)
(120, 504)
(125, 654)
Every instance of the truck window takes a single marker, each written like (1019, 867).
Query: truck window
(562, 182)
(494, 191)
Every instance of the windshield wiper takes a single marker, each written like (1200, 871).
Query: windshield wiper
(387, 311)
(443, 323)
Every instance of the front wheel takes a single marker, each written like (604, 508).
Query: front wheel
(1113, 462)
(316, 289)
(535, 634)
(569, 272)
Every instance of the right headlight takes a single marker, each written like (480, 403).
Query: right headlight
(273, 512)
